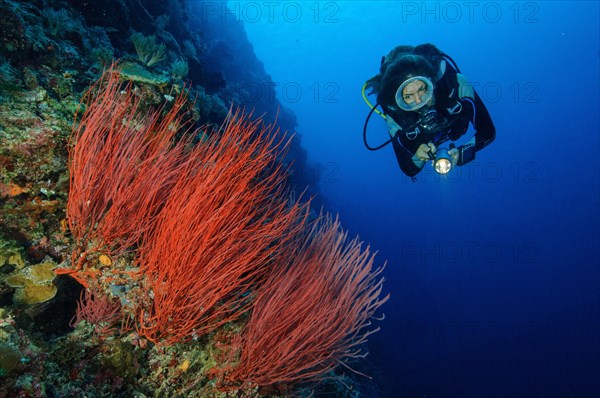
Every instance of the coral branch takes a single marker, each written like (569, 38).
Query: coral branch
(226, 220)
(121, 163)
(98, 310)
(312, 315)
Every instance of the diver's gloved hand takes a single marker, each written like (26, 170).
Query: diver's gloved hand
(465, 89)
(454, 154)
(426, 151)
(463, 154)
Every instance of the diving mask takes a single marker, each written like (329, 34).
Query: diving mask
(414, 93)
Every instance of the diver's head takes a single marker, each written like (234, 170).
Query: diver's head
(406, 69)
(414, 93)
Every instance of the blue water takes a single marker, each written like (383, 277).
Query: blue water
(494, 270)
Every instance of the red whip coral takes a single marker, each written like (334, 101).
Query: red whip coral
(215, 235)
(226, 220)
(98, 310)
(205, 221)
(121, 164)
(311, 315)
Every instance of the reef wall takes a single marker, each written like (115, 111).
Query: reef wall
(51, 51)
(101, 188)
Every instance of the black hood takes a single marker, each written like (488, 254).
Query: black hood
(397, 71)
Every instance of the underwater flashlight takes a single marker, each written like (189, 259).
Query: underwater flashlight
(442, 162)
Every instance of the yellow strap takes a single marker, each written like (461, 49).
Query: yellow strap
(368, 103)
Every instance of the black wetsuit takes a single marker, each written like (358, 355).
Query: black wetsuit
(456, 112)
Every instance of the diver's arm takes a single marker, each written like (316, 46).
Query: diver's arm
(471, 109)
(408, 162)
(485, 132)
(474, 112)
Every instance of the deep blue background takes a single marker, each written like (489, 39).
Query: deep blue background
(494, 270)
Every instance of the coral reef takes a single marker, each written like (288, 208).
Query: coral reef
(33, 284)
(148, 50)
(309, 316)
(90, 304)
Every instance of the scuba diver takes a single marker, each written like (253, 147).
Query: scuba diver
(426, 102)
